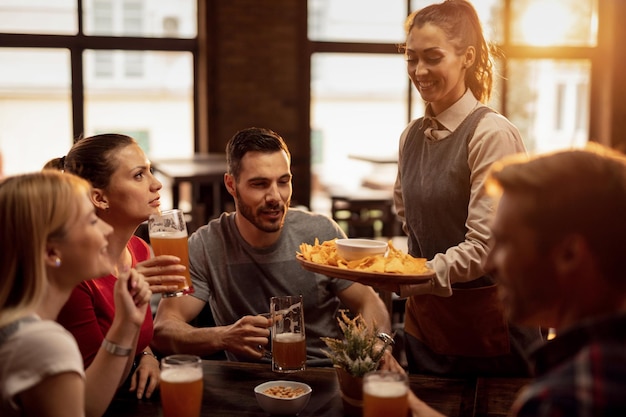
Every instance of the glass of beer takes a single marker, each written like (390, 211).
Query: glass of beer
(385, 393)
(288, 338)
(181, 386)
(168, 236)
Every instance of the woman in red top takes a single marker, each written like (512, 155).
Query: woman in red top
(125, 193)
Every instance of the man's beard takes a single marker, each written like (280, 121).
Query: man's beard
(255, 217)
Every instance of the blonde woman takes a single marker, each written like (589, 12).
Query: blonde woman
(51, 241)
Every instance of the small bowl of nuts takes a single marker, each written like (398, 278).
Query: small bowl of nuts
(282, 397)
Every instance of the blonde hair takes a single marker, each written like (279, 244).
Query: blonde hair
(34, 209)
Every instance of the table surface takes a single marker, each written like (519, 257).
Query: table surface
(196, 167)
(375, 159)
(229, 391)
(201, 171)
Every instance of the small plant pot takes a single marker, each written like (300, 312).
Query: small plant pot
(351, 393)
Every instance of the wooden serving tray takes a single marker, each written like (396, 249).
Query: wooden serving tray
(364, 277)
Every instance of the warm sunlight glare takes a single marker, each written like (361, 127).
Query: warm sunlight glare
(545, 23)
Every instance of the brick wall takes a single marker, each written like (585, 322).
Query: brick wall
(258, 75)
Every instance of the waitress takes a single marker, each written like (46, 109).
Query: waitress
(455, 324)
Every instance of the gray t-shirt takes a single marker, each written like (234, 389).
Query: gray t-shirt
(237, 279)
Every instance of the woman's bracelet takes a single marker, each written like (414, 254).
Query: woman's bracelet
(115, 349)
(146, 353)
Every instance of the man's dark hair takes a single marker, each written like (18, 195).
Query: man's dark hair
(252, 139)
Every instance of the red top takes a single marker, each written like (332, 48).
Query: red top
(89, 312)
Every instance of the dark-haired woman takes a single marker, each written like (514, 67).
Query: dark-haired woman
(124, 193)
(454, 325)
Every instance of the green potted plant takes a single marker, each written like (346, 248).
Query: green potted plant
(358, 353)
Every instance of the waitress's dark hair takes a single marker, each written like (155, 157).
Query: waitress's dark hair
(459, 21)
(92, 158)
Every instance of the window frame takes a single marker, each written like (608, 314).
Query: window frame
(80, 42)
(509, 50)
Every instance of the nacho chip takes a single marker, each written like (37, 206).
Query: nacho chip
(394, 261)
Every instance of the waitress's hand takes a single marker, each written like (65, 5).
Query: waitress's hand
(146, 377)
(162, 273)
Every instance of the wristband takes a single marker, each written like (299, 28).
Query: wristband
(149, 354)
(386, 339)
(115, 349)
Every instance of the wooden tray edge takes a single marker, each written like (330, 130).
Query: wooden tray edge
(369, 278)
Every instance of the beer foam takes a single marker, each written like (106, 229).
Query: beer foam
(168, 235)
(181, 375)
(385, 389)
(289, 337)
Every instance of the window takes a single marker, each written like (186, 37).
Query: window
(560, 106)
(57, 17)
(103, 64)
(102, 17)
(35, 112)
(361, 98)
(542, 101)
(132, 23)
(110, 66)
(356, 115)
(535, 24)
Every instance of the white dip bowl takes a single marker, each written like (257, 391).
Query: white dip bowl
(353, 249)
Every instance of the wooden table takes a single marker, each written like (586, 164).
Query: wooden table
(202, 171)
(228, 391)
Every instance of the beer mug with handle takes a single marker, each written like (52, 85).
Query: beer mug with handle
(288, 337)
